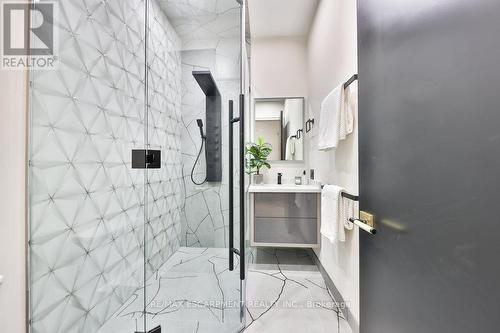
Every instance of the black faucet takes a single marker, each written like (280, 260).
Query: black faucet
(279, 178)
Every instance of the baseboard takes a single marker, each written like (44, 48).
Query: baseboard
(353, 323)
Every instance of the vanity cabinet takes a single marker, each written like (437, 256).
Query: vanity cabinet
(285, 219)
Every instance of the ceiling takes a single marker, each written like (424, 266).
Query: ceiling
(175, 9)
(281, 18)
(203, 20)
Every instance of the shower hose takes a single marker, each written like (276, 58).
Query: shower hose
(196, 162)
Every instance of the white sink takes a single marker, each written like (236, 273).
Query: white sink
(267, 188)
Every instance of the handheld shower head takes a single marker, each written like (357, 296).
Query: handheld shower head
(200, 125)
(203, 139)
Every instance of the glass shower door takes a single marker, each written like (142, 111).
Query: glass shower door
(193, 64)
(116, 247)
(86, 203)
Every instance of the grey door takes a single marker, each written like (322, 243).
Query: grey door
(429, 124)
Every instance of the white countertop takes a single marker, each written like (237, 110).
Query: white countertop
(285, 188)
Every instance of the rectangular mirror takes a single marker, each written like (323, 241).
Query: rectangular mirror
(280, 122)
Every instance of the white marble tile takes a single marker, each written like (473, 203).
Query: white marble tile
(290, 300)
(209, 33)
(192, 292)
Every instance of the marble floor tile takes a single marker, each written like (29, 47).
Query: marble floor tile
(286, 293)
(194, 292)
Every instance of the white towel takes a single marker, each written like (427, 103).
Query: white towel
(336, 118)
(347, 211)
(290, 148)
(349, 108)
(335, 213)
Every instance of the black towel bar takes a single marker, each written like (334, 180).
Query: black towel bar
(351, 80)
(310, 122)
(347, 195)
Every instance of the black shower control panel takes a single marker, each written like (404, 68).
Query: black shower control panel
(146, 159)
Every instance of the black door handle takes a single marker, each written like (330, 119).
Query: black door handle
(242, 186)
(231, 188)
(232, 249)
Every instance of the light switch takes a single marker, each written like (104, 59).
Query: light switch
(1, 279)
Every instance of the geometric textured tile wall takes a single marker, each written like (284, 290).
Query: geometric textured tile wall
(87, 206)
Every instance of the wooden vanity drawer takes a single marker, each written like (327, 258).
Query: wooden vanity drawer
(280, 230)
(296, 205)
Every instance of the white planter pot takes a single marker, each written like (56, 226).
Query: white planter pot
(257, 179)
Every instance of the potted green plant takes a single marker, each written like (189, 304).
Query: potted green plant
(257, 154)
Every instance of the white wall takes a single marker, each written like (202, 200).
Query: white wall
(332, 59)
(268, 125)
(270, 130)
(312, 68)
(268, 110)
(12, 200)
(279, 69)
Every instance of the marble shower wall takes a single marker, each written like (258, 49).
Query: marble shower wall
(87, 217)
(209, 30)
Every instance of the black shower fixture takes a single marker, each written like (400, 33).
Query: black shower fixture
(213, 135)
